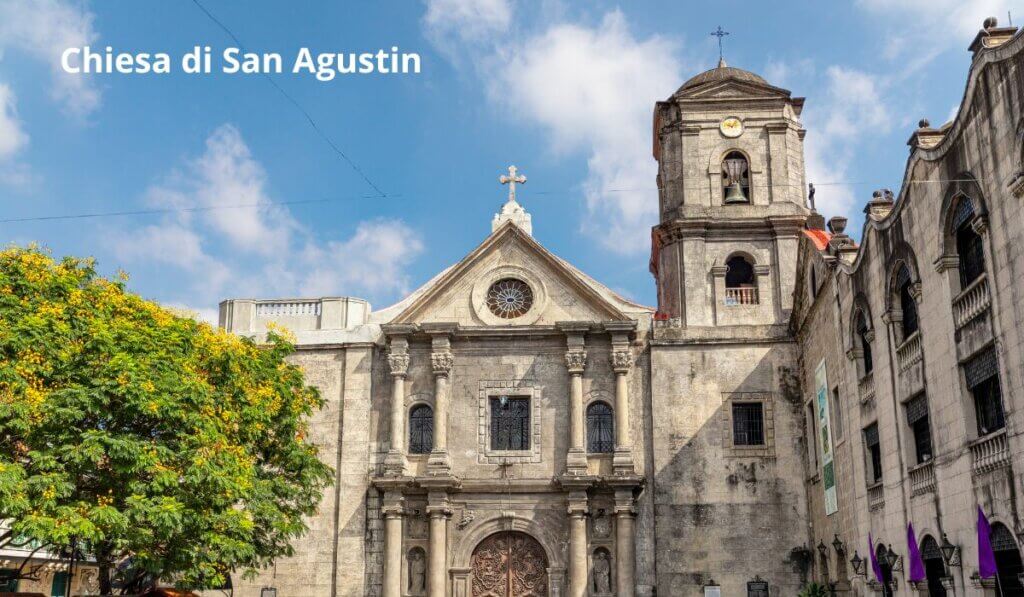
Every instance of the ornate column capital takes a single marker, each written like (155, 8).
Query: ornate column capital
(393, 505)
(621, 359)
(442, 363)
(398, 363)
(576, 361)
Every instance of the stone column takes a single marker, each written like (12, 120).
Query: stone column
(439, 462)
(439, 510)
(392, 509)
(622, 359)
(398, 363)
(577, 544)
(625, 546)
(576, 459)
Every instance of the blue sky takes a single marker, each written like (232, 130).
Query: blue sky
(564, 90)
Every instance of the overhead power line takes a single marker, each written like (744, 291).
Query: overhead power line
(316, 127)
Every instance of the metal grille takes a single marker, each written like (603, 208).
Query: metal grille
(510, 423)
(988, 406)
(747, 424)
(871, 435)
(421, 430)
(964, 212)
(1002, 538)
(757, 588)
(600, 428)
(930, 549)
(917, 409)
(971, 253)
(981, 368)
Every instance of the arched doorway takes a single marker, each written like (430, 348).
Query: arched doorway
(509, 564)
(882, 554)
(934, 567)
(1008, 562)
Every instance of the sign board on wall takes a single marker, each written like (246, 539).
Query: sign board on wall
(828, 472)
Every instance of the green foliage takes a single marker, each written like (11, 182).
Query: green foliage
(814, 589)
(142, 434)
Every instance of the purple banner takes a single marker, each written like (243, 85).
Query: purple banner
(874, 560)
(986, 557)
(917, 572)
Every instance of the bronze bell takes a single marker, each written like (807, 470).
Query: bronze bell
(735, 169)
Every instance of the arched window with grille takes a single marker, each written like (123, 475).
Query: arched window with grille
(600, 428)
(907, 302)
(934, 566)
(421, 429)
(865, 344)
(969, 248)
(1008, 561)
(740, 282)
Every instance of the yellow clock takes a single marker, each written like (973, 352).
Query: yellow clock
(731, 127)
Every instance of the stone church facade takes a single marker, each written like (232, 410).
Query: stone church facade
(515, 428)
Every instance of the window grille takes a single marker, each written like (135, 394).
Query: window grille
(757, 588)
(907, 303)
(874, 451)
(421, 430)
(600, 428)
(510, 423)
(747, 424)
(1002, 538)
(964, 212)
(917, 409)
(981, 368)
(988, 406)
(930, 549)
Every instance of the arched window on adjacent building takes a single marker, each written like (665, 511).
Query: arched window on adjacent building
(735, 178)
(600, 428)
(907, 302)
(1008, 561)
(968, 242)
(421, 429)
(740, 282)
(934, 567)
(864, 342)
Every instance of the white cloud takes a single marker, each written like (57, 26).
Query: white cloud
(925, 27)
(12, 136)
(220, 250)
(468, 20)
(592, 89)
(44, 29)
(851, 111)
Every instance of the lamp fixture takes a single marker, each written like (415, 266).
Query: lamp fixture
(950, 552)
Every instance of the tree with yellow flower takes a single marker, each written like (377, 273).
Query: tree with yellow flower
(164, 448)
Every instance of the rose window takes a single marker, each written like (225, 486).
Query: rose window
(509, 298)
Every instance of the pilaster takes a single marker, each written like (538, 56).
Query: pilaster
(393, 510)
(577, 510)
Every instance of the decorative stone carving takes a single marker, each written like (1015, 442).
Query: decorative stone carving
(621, 360)
(575, 361)
(602, 525)
(468, 516)
(398, 363)
(417, 527)
(602, 573)
(442, 362)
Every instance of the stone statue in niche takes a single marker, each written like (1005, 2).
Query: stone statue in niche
(417, 572)
(602, 573)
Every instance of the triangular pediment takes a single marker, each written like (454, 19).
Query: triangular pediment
(559, 292)
(732, 88)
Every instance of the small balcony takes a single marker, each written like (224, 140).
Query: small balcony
(909, 353)
(971, 302)
(741, 296)
(866, 390)
(876, 496)
(910, 362)
(922, 478)
(989, 452)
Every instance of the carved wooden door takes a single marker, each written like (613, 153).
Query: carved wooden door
(510, 564)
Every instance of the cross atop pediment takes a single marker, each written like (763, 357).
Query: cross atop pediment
(511, 180)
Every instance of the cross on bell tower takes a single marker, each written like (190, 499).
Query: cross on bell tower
(720, 33)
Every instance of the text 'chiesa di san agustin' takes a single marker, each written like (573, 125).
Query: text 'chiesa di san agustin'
(799, 407)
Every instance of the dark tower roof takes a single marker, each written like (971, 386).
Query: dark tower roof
(721, 73)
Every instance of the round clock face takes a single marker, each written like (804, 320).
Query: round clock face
(731, 127)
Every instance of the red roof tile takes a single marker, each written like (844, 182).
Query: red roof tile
(820, 238)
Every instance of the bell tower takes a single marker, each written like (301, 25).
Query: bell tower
(730, 154)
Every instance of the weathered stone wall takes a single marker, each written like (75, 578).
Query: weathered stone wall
(720, 513)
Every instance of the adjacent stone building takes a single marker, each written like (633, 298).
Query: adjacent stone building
(912, 363)
(514, 428)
